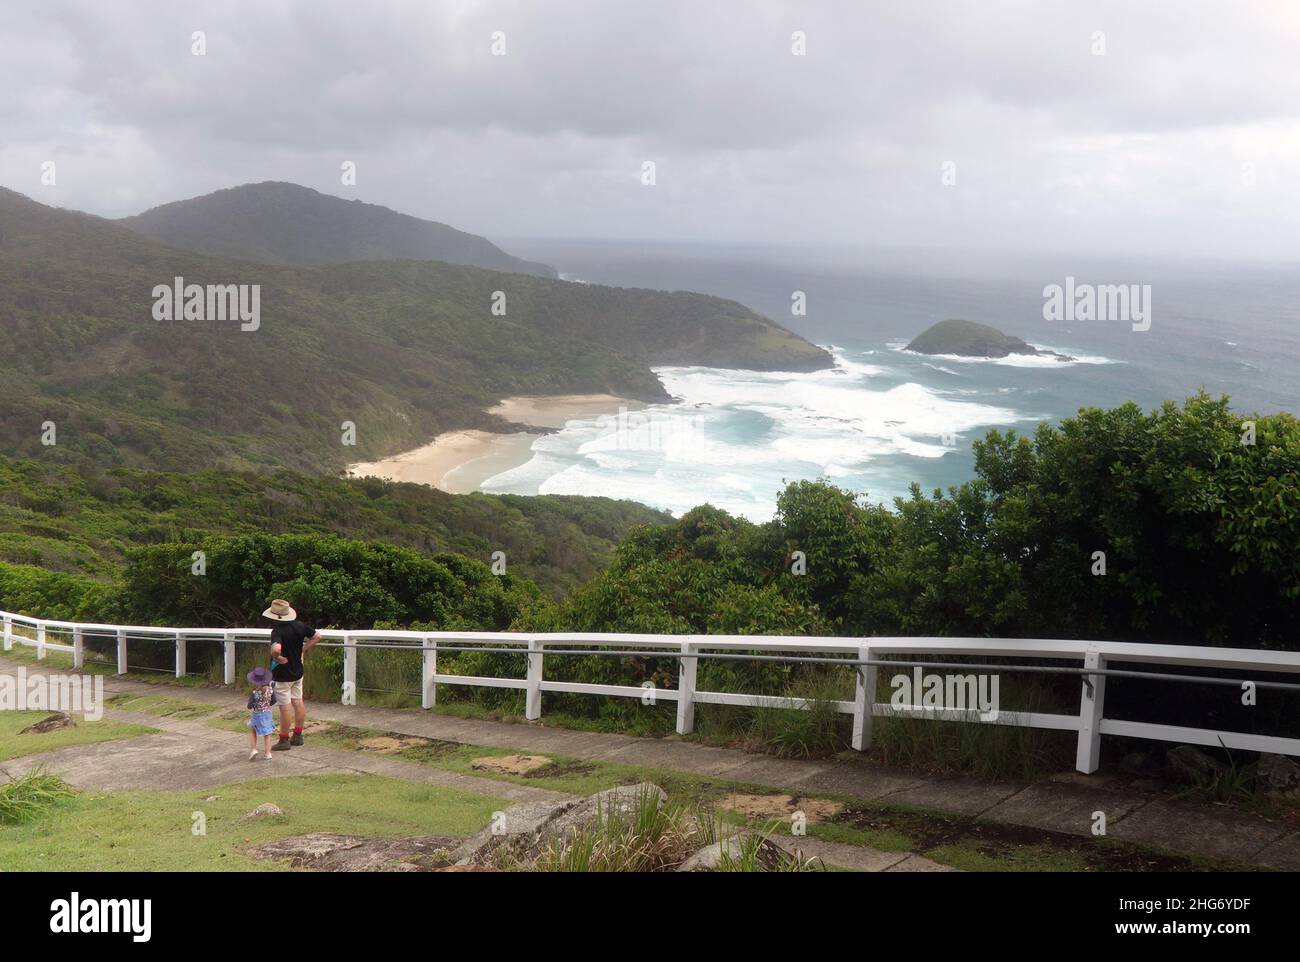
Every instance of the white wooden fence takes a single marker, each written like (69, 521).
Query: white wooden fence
(1089, 659)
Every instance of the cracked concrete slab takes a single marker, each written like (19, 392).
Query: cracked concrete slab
(859, 781)
(1199, 829)
(962, 796)
(1064, 807)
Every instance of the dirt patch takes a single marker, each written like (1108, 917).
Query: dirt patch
(512, 764)
(392, 743)
(782, 806)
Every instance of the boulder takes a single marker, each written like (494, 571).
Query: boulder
(1187, 763)
(768, 855)
(52, 722)
(623, 802)
(525, 831)
(512, 832)
(1277, 773)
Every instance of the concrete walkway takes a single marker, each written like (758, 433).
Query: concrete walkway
(1065, 803)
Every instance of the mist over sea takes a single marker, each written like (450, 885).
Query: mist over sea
(884, 418)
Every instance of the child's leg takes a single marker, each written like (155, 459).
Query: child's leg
(266, 745)
(252, 738)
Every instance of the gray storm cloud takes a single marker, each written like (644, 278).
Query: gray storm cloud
(1182, 138)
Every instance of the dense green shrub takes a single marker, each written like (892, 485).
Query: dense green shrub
(333, 581)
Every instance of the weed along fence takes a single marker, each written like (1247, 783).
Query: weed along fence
(1091, 661)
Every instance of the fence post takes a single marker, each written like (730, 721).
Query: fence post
(1088, 757)
(9, 633)
(349, 671)
(78, 650)
(180, 655)
(121, 651)
(686, 690)
(428, 671)
(533, 701)
(40, 640)
(230, 661)
(864, 701)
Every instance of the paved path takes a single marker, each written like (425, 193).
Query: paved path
(191, 755)
(1063, 804)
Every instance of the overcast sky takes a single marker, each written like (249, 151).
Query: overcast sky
(1182, 138)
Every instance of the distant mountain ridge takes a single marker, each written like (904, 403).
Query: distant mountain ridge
(283, 223)
(402, 349)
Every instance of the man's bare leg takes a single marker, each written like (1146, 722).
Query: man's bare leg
(300, 716)
(286, 725)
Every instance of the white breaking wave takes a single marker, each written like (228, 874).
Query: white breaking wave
(737, 437)
(1018, 360)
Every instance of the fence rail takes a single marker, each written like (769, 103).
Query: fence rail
(864, 654)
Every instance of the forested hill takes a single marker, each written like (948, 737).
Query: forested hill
(402, 350)
(288, 224)
(84, 520)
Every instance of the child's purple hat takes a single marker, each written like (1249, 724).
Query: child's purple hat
(261, 675)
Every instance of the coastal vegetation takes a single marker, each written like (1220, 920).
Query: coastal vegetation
(348, 362)
(1197, 529)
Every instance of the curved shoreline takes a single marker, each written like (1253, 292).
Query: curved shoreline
(458, 462)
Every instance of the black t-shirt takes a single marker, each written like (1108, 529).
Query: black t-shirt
(290, 635)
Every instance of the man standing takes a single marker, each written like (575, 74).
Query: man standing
(290, 640)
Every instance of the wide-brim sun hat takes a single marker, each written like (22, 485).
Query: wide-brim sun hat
(280, 610)
(261, 675)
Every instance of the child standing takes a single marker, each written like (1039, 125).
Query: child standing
(260, 700)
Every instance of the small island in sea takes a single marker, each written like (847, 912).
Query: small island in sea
(969, 339)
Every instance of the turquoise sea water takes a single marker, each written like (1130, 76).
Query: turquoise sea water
(884, 417)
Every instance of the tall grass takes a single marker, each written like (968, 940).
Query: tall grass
(31, 796)
(652, 838)
(984, 749)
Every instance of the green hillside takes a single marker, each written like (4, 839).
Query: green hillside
(402, 349)
(84, 520)
(287, 224)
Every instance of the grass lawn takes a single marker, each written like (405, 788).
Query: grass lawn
(152, 831)
(14, 745)
(962, 842)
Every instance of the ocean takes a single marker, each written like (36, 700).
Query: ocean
(885, 418)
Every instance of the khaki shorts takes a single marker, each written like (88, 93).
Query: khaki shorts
(287, 691)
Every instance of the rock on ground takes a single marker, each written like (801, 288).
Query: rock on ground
(767, 854)
(1187, 763)
(323, 852)
(1277, 772)
(265, 810)
(51, 722)
(525, 831)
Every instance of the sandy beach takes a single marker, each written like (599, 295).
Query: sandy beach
(555, 410)
(459, 461)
